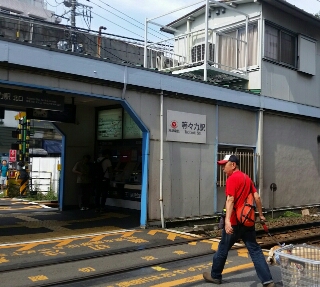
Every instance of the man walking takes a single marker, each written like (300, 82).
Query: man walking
(238, 187)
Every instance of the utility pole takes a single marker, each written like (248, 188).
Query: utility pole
(85, 12)
(73, 23)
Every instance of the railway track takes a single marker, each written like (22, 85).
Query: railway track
(109, 263)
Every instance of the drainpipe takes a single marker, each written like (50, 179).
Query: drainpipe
(161, 160)
(260, 151)
(215, 169)
(99, 40)
(205, 60)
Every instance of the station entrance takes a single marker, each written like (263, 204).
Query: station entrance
(87, 125)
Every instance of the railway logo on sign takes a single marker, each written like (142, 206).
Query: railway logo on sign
(12, 155)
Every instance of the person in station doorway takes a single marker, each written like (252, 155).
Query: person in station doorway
(103, 175)
(83, 169)
(238, 183)
(4, 174)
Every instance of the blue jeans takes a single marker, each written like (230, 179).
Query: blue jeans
(248, 235)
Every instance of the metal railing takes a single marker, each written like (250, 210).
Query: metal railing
(249, 163)
(187, 50)
(40, 181)
(73, 40)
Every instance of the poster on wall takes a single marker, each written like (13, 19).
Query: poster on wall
(109, 124)
(186, 127)
(130, 128)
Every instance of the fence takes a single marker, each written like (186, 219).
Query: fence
(249, 163)
(40, 181)
(74, 40)
(44, 174)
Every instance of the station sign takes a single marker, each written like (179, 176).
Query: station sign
(186, 127)
(12, 155)
(27, 99)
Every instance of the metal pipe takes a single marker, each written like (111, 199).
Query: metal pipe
(145, 59)
(260, 150)
(246, 47)
(215, 169)
(161, 161)
(205, 60)
(99, 40)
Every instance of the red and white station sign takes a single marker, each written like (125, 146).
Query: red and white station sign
(12, 155)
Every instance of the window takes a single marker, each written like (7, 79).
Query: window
(280, 45)
(232, 48)
(249, 162)
(197, 53)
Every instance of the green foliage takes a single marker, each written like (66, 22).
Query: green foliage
(291, 214)
(38, 195)
(13, 190)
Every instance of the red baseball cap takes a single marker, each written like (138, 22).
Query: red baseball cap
(229, 157)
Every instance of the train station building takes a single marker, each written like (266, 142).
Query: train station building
(166, 124)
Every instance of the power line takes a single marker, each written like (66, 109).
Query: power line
(130, 18)
(123, 18)
(116, 24)
(55, 6)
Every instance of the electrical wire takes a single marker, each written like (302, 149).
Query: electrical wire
(55, 6)
(107, 50)
(129, 17)
(124, 19)
(116, 24)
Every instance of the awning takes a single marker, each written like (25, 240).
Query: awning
(52, 146)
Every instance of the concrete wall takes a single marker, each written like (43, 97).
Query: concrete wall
(291, 160)
(285, 83)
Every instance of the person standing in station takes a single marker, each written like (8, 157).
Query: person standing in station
(4, 174)
(103, 175)
(83, 169)
(238, 187)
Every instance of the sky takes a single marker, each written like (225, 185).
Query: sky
(127, 17)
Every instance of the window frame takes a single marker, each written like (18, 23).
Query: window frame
(280, 32)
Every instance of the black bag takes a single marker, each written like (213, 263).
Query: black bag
(23, 174)
(222, 219)
(99, 173)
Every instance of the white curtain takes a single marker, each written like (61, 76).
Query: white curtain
(252, 46)
(227, 51)
(232, 52)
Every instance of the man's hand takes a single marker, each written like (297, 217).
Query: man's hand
(262, 218)
(228, 228)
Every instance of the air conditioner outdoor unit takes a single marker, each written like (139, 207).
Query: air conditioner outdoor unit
(163, 62)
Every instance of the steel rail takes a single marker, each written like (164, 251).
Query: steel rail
(77, 258)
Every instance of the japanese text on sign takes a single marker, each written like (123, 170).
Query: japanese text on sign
(186, 127)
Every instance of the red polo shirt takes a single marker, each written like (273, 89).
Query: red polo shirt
(238, 185)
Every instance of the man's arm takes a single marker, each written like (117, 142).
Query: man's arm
(229, 209)
(75, 169)
(259, 205)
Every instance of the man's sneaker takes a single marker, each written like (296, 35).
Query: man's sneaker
(82, 208)
(271, 284)
(207, 277)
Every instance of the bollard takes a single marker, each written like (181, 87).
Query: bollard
(273, 188)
